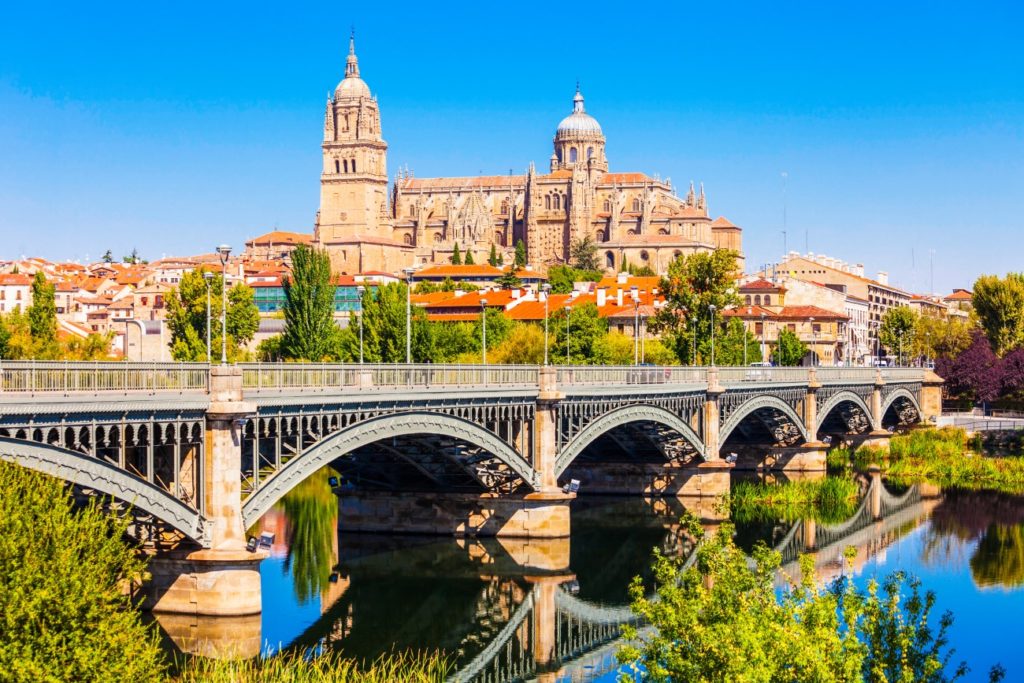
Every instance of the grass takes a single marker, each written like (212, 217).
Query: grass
(943, 457)
(825, 500)
(327, 667)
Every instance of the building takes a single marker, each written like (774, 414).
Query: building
(276, 245)
(268, 294)
(364, 226)
(831, 272)
(960, 300)
(15, 292)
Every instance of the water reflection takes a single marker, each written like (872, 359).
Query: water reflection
(513, 609)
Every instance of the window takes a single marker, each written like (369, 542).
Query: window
(662, 231)
(353, 165)
(572, 155)
(644, 256)
(816, 328)
(599, 236)
(609, 260)
(590, 152)
(337, 166)
(767, 299)
(557, 201)
(792, 327)
(407, 238)
(547, 201)
(757, 300)
(746, 300)
(759, 328)
(346, 165)
(504, 206)
(636, 205)
(607, 205)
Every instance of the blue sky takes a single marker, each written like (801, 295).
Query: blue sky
(174, 127)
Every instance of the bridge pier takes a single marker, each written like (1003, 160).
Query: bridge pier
(931, 397)
(222, 579)
(213, 637)
(703, 480)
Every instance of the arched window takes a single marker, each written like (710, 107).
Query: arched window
(407, 238)
(337, 166)
(590, 152)
(353, 165)
(609, 260)
(499, 239)
(767, 299)
(662, 231)
(437, 238)
(572, 155)
(346, 165)
(757, 300)
(547, 201)
(746, 299)
(599, 236)
(636, 205)
(504, 206)
(558, 201)
(607, 205)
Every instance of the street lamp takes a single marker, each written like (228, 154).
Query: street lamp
(224, 251)
(814, 341)
(711, 309)
(207, 276)
(635, 293)
(546, 289)
(762, 339)
(643, 339)
(408, 313)
(567, 357)
(361, 289)
(899, 361)
(483, 319)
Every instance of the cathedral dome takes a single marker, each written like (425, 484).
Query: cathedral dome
(579, 121)
(352, 85)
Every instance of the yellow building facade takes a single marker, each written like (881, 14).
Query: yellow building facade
(366, 226)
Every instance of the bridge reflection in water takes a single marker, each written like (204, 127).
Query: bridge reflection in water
(504, 609)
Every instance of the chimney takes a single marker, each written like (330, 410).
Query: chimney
(575, 293)
(621, 278)
(858, 270)
(516, 293)
(602, 297)
(618, 297)
(883, 278)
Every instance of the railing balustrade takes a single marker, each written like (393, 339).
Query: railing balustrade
(71, 377)
(41, 377)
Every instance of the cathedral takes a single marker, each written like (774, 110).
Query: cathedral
(365, 227)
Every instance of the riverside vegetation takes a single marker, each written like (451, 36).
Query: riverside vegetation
(65, 614)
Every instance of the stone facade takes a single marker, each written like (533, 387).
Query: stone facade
(632, 216)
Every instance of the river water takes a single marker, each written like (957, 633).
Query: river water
(550, 610)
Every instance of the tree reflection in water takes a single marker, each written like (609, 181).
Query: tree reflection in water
(312, 511)
(992, 523)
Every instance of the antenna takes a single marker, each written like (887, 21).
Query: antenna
(785, 246)
(931, 270)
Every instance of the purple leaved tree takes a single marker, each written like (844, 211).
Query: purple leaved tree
(977, 371)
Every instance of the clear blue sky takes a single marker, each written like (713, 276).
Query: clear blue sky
(172, 127)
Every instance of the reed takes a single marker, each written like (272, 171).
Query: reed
(326, 667)
(825, 500)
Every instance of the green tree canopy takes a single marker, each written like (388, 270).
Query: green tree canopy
(999, 303)
(309, 328)
(509, 280)
(583, 254)
(63, 572)
(469, 261)
(42, 317)
(897, 329)
(520, 258)
(492, 259)
(186, 317)
(789, 350)
(586, 332)
(456, 256)
(562, 278)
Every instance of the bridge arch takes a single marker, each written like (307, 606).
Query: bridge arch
(838, 399)
(94, 473)
(618, 418)
(368, 432)
(760, 402)
(897, 394)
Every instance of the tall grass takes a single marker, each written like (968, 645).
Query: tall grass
(328, 667)
(825, 500)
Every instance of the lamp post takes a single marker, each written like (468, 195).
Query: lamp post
(635, 293)
(207, 276)
(762, 339)
(408, 313)
(546, 289)
(711, 309)
(224, 251)
(899, 361)
(483, 322)
(643, 339)
(361, 289)
(567, 356)
(814, 341)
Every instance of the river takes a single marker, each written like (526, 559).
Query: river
(550, 610)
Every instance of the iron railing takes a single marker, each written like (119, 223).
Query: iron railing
(34, 377)
(85, 377)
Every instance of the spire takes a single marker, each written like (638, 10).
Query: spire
(351, 62)
(577, 101)
(690, 196)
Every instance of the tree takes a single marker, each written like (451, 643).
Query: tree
(456, 256)
(586, 335)
(63, 570)
(897, 330)
(563, 278)
(42, 317)
(493, 258)
(789, 350)
(186, 317)
(692, 286)
(736, 345)
(509, 280)
(108, 256)
(93, 347)
(309, 326)
(999, 303)
(133, 257)
(936, 337)
(384, 323)
(520, 258)
(583, 254)
(523, 345)
(722, 619)
(19, 344)
(976, 372)
(469, 261)
(5, 340)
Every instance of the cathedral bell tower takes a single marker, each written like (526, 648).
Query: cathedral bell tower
(354, 180)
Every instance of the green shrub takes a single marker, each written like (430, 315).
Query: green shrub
(64, 613)
(328, 667)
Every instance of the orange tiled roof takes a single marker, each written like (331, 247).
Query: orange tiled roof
(15, 279)
(723, 222)
(749, 312)
(495, 298)
(427, 298)
(281, 237)
(456, 272)
(761, 284)
(645, 282)
(463, 182)
(617, 178)
(960, 295)
(804, 312)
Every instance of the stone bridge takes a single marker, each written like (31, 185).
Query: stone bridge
(199, 453)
